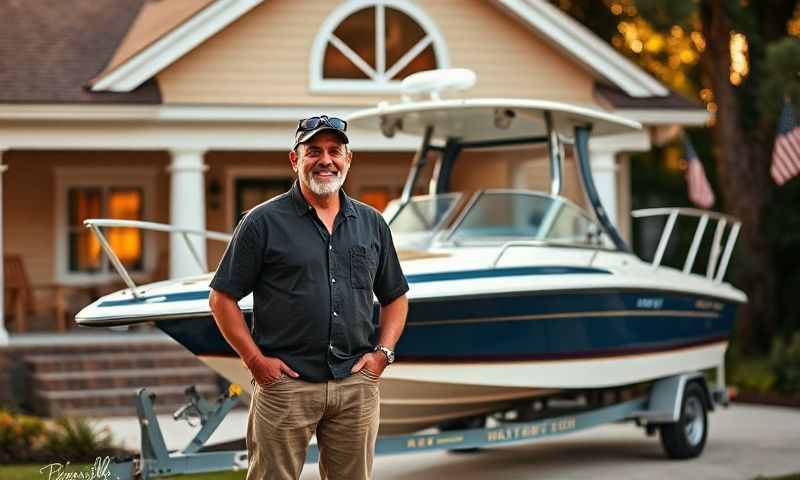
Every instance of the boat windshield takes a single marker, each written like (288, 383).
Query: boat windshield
(417, 222)
(499, 216)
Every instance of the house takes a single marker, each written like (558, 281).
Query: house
(182, 112)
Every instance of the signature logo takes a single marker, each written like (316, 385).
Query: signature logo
(99, 470)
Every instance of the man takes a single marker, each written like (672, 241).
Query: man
(313, 257)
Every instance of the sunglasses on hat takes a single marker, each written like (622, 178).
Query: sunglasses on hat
(313, 123)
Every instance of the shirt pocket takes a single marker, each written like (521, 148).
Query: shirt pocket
(362, 267)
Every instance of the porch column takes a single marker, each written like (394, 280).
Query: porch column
(187, 209)
(604, 171)
(3, 332)
(603, 153)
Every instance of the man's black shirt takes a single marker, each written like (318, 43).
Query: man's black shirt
(312, 292)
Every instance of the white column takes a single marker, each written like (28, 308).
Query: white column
(187, 209)
(603, 154)
(604, 171)
(3, 332)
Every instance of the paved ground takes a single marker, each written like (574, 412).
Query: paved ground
(744, 441)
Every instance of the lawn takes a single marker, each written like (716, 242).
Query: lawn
(31, 472)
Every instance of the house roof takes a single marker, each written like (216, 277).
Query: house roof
(155, 19)
(49, 49)
(620, 100)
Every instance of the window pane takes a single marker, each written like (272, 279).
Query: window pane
(83, 247)
(357, 32)
(84, 251)
(338, 66)
(426, 60)
(402, 33)
(83, 203)
(126, 204)
(376, 197)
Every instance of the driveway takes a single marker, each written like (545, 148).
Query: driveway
(744, 441)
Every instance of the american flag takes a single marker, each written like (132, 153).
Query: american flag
(700, 192)
(786, 154)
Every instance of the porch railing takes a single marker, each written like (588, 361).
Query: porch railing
(716, 268)
(96, 224)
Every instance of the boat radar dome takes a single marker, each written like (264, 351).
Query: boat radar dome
(432, 83)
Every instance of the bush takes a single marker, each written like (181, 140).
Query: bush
(21, 437)
(77, 440)
(785, 361)
(25, 439)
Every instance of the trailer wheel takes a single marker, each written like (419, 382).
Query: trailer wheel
(686, 438)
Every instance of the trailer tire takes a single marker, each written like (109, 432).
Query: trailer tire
(686, 438)
(464, 424)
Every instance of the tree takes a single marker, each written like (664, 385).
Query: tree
(740, 60)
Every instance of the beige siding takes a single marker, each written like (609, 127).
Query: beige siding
(263, 58)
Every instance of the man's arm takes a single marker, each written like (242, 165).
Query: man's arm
(392, 322)
(230, 320)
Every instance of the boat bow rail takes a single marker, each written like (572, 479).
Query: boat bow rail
(716, 268)
(96, 225)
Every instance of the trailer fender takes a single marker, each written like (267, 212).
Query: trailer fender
(666, 395)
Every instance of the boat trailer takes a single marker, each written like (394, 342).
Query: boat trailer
(677, 405)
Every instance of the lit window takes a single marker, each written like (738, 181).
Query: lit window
(372, 48)
(85, 254)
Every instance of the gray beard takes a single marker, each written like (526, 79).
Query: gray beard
(321, 189)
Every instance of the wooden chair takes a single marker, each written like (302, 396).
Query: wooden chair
(19, 299)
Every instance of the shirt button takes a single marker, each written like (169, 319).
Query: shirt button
(333, 280)
(330, 347)
(335, 314)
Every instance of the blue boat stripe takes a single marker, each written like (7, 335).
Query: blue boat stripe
(570, 315)
(414, 278)
(501, 272)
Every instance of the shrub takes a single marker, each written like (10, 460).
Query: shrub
(785, 361)
(26, 439)
(77, 440)
(21, 437)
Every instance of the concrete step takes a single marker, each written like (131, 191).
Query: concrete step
(100, 361)
(122, 378)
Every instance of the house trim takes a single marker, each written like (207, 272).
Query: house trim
(172, 46)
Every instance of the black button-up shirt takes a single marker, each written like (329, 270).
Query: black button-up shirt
(312, 291)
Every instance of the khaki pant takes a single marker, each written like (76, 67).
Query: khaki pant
(286, 413)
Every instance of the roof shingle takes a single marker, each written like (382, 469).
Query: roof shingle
(49, 49)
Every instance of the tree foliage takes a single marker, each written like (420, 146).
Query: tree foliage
(741, 58)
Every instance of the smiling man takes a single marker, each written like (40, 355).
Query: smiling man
(314, 259)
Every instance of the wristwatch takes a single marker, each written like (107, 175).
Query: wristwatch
(386, 351)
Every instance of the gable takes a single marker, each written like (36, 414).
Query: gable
(263, 58)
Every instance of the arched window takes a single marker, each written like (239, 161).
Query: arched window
(370, 46)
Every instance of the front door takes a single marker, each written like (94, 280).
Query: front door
(252, 191)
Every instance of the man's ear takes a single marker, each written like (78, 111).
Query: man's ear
(293, 160)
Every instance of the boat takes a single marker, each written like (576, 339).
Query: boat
(516, 295)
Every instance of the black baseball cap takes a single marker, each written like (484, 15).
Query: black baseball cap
(311, 126)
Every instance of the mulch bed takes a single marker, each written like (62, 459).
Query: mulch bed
(768, 398)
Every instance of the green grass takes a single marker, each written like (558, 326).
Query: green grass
(31, 472)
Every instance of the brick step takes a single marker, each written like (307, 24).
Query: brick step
(132, 378)
(111, 347)
(130, 410)
(167, 397)
(109, 361)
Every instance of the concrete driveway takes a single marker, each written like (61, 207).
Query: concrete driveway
(744, 442)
